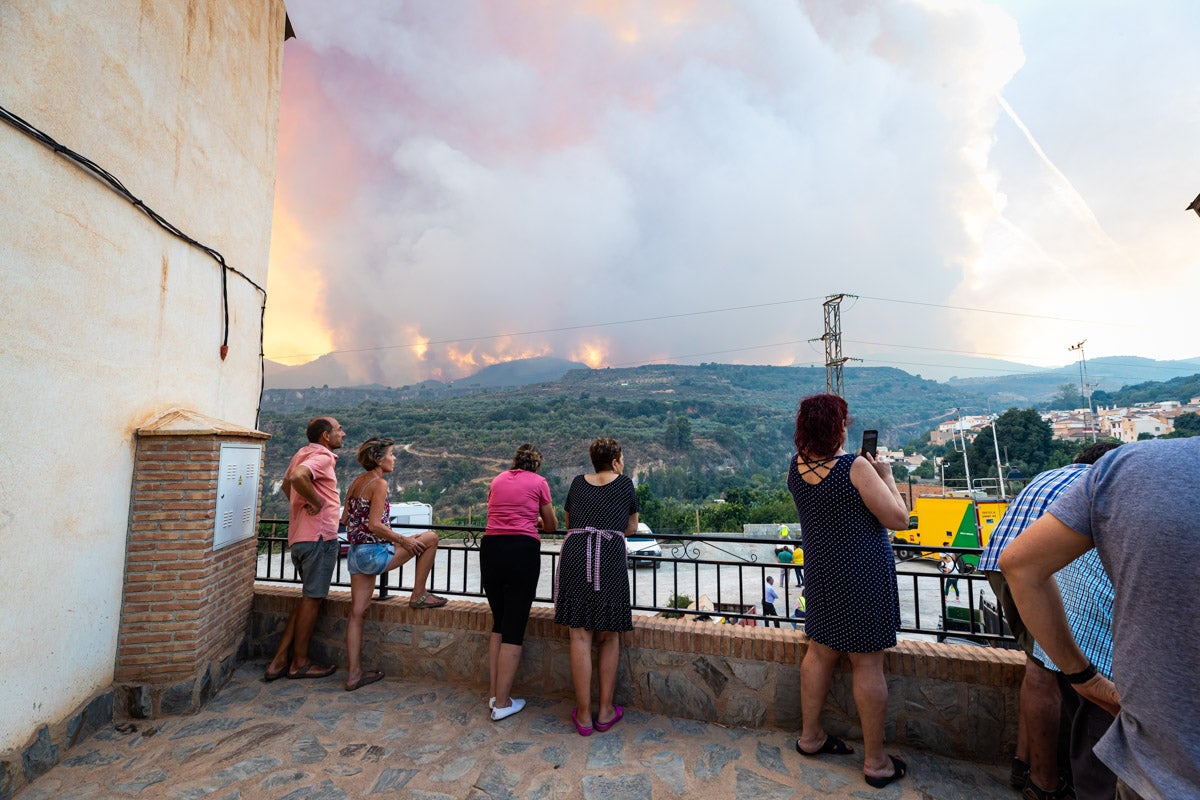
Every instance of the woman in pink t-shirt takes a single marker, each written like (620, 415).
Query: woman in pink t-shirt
(510, 562)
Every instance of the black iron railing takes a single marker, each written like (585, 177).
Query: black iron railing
(728, 571)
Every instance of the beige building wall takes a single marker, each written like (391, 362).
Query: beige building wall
(106, 320)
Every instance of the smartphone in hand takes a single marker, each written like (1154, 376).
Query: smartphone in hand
(870, 441)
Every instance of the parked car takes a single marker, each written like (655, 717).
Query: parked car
(643, 547)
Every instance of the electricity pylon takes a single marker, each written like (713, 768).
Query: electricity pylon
(834, 360)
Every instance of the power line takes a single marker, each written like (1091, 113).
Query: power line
(683, 315)
(671, 358)
(1182, 362)
(1109, 323)
(887, 362)
(548, 330)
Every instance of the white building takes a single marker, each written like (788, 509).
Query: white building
(1133, 426)
(107, 319)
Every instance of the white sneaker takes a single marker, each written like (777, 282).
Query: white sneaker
(501, 713)
(491, 702)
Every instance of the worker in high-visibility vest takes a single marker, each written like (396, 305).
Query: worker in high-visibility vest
(800, 611)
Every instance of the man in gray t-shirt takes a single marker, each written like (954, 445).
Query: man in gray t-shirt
(1138, 508)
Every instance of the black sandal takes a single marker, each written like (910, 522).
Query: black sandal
(899, 770)
(1018, 774)
(832, 746)
(1031, 791)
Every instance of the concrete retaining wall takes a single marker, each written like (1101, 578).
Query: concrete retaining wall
(956, 700)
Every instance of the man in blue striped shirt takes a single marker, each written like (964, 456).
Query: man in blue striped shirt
(1137, 508)
(1035, 766)
(1087, 596)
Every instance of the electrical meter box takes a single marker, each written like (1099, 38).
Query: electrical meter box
(237, 493)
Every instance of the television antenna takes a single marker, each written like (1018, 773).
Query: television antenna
(1086, 388)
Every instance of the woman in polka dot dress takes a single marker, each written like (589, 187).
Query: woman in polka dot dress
(846, 503)
(591, 594)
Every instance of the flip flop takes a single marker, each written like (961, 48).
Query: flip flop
(899, 770)
(428, 600)
(832, 746)
(1019, 773)
(367, 678)
(313, 670)
(268, 677)
(603, 726)
(580, 728)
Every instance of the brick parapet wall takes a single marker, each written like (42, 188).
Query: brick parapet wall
(185, 606)
(953, 699)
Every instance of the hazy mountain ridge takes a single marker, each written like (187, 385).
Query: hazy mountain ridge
(1108, 374)
(507, 375)
(710, 424)
(1035, 386)
(702, 428)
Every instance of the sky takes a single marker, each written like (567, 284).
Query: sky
(466, 182)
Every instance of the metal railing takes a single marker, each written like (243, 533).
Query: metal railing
(729, 570)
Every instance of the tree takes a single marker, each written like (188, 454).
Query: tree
(1022, 434)
(899, 471)
(1186, 425)
(1068, 397)
(679, 433)
(926, 470)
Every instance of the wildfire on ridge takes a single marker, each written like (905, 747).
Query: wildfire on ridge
(469, 360)
(420, 344)
(594, 354)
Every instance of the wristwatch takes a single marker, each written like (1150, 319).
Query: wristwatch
(1083, 676)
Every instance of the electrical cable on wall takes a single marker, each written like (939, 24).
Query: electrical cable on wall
(111, 180)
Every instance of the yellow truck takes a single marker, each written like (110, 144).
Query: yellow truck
(951, 521)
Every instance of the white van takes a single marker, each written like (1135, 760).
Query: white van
(410, 513)
(642, 545)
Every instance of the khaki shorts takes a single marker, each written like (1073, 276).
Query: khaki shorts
(1012, 616)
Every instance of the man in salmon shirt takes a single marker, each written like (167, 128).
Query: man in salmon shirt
(312, 492)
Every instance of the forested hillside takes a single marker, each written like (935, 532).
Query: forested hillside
(1181, 389)
(691, 433)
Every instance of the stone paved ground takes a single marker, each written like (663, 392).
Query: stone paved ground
(310, 740)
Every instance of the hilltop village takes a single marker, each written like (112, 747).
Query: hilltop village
(1128, 424)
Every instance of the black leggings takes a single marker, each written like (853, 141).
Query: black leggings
(509, 567)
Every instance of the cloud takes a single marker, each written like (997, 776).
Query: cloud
(475, 169)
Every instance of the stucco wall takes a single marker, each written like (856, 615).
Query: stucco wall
(106, 320)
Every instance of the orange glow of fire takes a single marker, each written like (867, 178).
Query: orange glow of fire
(420, 344)
(293, 326)
(594, 354)
(628, 19)
(471, 359)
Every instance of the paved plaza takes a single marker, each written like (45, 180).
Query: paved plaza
(311, 740)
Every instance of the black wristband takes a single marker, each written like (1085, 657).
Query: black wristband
(1083, 676)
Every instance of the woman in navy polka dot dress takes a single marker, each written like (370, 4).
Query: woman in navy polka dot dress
(846, 503)
(591, 591)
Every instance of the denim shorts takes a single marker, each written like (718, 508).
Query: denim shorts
(314, 561)
(369, 559)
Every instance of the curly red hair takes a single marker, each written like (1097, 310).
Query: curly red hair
(821, 426)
